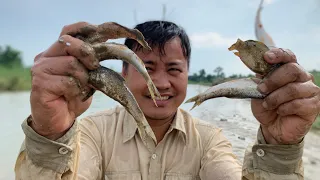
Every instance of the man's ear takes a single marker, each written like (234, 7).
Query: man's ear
(124, 71)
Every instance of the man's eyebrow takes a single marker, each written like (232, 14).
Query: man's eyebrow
(173, 63)
(151, 62)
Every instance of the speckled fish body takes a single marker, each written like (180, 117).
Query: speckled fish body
(113, 85)
(122, 52)
(251, 54)
(240, 88)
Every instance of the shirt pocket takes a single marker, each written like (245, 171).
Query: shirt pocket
(177, 176)
(135, 175)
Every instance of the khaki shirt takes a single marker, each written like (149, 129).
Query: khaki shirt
(106, 145)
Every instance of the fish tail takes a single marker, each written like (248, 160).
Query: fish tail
(196, 100)
(140, 38)
(153, 91)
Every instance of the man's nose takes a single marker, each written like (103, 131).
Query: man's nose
(161, 80)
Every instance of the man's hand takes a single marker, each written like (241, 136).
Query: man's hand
(292, 103)
(59, 83)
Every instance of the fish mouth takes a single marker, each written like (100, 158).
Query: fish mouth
(232, 47)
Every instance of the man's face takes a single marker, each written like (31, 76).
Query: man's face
(169, 73)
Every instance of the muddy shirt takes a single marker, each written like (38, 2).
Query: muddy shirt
(106, 145)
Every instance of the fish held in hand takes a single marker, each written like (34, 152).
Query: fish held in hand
(251, 54)
(118, 51)
(95, 37)
(240, 88)
(108, 30)
(113, 85)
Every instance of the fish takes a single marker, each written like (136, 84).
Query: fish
(95, 36)
(121, 52)
(251, 54)
(108, 30)
(113, 85)
(110, 82)
(240, 88)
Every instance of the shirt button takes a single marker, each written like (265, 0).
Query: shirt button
(63, 150)
(260, 152)
(154, 156)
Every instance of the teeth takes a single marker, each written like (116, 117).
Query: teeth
(162, 98)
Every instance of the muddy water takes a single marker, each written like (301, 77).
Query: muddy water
(233, 116)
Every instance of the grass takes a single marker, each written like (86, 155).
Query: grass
(316, 124)
(16, 79)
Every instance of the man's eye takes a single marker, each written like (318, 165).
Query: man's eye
(148, 68)
(174, 69)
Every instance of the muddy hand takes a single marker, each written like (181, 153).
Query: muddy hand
(292, 100)
(95, 37)
(59, 83)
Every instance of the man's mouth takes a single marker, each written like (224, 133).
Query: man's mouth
(162, 98)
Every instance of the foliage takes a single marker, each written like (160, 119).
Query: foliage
(10, 58)
(209, 79)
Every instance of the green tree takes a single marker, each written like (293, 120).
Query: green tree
(10, 57)
(219, 72)
(202, 74)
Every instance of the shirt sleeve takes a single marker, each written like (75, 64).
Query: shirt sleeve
(267, 161)
(42, 158)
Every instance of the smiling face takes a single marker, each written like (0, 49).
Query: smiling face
(168, 71)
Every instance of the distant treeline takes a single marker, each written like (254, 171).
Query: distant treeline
(15, 76)
(202, 77)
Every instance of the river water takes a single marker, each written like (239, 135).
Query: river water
(232, 115)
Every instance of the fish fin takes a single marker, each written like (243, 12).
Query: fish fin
(236, 53)
(193, 99)
(196, 101)
(194, 105)
(90, 93)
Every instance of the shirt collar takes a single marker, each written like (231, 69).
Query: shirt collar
(130, 126)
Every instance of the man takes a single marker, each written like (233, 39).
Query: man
(106, 145)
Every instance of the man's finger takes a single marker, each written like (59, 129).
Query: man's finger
(65, 66)
(66, 86)
(73, 28)
(68, 45)
(287, 73)
(307, 108)
(290, 92)
(279, 55)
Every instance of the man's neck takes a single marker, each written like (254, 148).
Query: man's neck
(160, 127)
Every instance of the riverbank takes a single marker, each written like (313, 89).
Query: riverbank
(18, 79)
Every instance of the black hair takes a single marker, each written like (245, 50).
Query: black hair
(157, 33)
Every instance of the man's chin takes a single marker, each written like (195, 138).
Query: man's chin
(159, 113)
